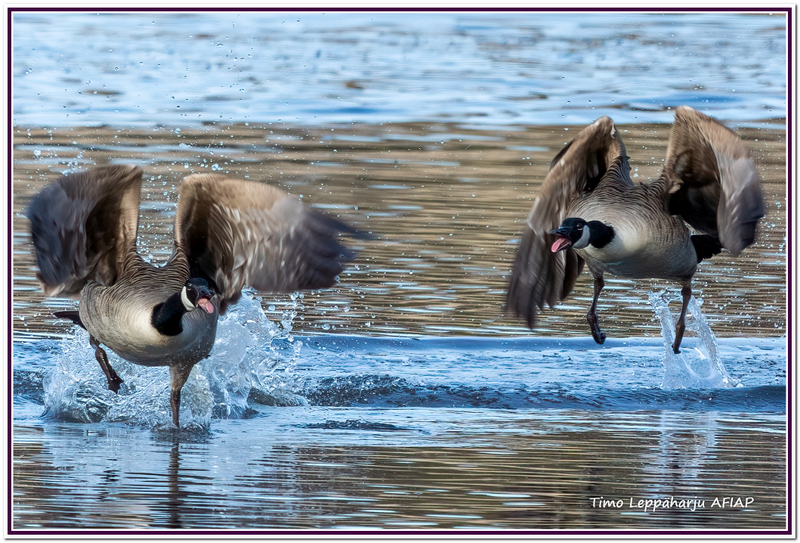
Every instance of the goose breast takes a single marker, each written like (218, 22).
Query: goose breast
(121, 320)
(648, 242)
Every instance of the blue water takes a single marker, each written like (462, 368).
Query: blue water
(285, 431)
(256, 363)
(454, 372)
(319, 68)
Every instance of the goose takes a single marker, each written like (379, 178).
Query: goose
(228, 233)
(707, 198)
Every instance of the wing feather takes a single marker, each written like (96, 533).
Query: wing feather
(242, 233)
(540, 276)
(711, 180)
(82, 227)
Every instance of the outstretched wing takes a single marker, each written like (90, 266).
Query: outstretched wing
(237, 233)
(83, 225)
(540, 276)
(712, 181)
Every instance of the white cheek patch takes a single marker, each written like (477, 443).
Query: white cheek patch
(185, 299)
(584, 241)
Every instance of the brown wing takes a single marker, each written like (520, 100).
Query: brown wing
(540, 276)
(712, 180)
(83, 225)
(237, 233)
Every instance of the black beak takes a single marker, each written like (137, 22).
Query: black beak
(561, 231)
(204, 296)
(203, 292)
(562, 241)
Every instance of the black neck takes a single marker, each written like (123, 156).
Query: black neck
(167, 316)
(600, 234)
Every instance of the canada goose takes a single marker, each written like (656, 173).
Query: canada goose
(228, 233)
(588, 210)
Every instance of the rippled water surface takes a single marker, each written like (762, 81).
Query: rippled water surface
(319, 68)
(404, 398)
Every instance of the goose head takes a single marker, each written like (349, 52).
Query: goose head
(578, 234)
(573, 233)
(197, 293)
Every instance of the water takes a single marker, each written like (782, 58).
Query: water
(702, 368)
(255, 362)
(403, 398)
(350, 432)
(311, 68)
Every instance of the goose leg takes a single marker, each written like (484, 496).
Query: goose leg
(178, 373)
(114, 380)
(680, 326)
(598, 335)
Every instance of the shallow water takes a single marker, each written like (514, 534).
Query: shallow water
(413, 413)
(513, 470)
(401, 433)
(403, 398)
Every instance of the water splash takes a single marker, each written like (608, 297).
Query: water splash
(698, 365)
(253, 362)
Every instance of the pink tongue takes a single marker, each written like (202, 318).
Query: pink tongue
(206, 304)
(559, 244)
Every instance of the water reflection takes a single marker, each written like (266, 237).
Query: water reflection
(445, 202)
(176, 495)
(538, 471)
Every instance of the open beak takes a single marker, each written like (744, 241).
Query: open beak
(562, 241)
(204, 300)
(206, 304)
